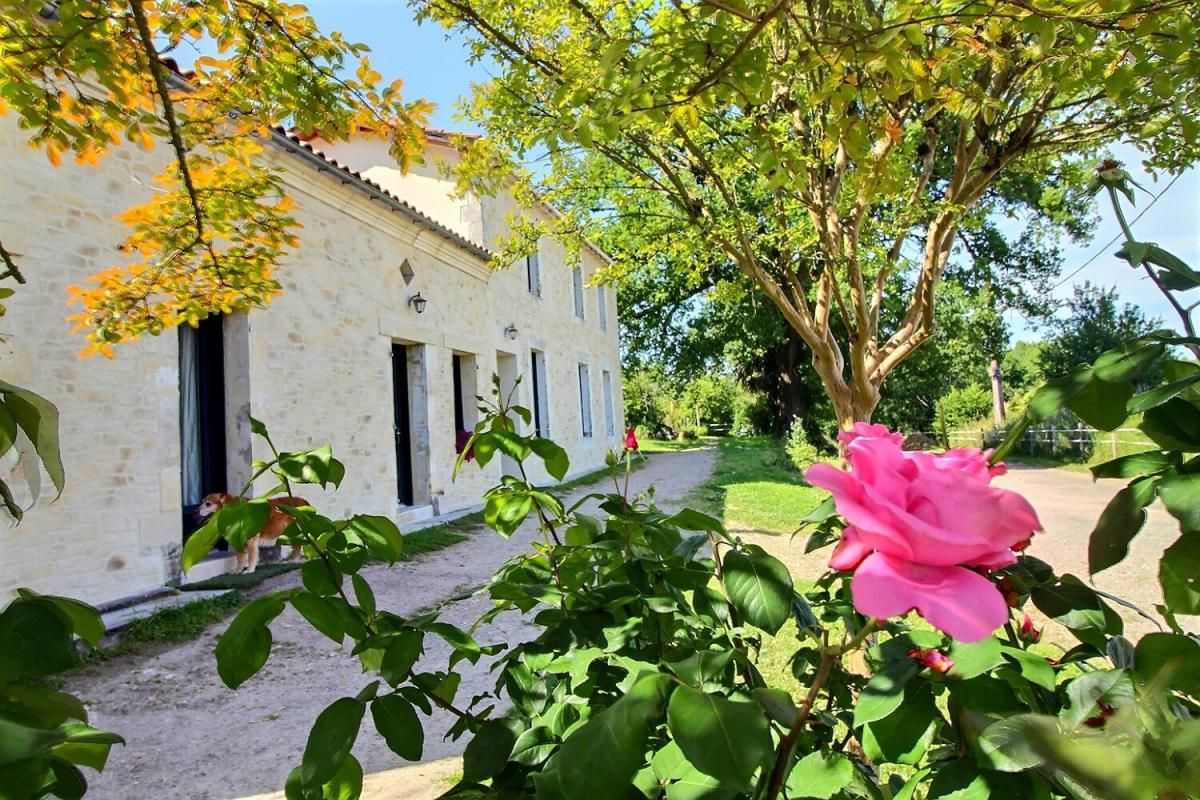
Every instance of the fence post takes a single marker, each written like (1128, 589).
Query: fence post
(1053, 440)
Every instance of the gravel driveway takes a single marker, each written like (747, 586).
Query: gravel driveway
(1068, 504)
(191, 738)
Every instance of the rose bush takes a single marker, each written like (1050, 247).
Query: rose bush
(921, 527)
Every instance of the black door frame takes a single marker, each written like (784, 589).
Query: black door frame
(209, 380)
(402, 426)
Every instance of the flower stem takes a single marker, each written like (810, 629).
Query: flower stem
(787, 747)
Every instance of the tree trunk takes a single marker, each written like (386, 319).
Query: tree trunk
(997, 391)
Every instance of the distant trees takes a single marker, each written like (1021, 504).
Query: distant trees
(1096, 321)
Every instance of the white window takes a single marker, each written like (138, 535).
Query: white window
(585, 400)
(610, 426)
(533, 274)
(602, 304)
(541, 401)
(577, 284)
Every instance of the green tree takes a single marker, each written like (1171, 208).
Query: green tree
(84, 76)
(836, 116)
(1096, 322)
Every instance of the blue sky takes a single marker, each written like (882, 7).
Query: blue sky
(435, 67)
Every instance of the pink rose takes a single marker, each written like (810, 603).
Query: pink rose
(631, 442)
(936, 660)
(921, 528)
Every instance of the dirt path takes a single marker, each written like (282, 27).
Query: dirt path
(191, 738)
(1068, 504)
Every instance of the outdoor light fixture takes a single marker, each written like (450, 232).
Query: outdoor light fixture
(511, 332)
(418, 302)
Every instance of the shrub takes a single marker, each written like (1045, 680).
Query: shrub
(751, 414)
(965, 405)
(800, 451)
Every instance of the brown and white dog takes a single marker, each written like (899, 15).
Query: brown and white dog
(277, 523)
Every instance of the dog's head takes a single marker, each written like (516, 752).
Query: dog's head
(211, 504)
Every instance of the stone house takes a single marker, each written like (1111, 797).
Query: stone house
(390, 322)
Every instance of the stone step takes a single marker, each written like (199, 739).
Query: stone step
(120, 617)
(413, 515)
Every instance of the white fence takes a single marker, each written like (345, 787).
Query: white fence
(1081, 441)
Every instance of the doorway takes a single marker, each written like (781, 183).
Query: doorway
(402, 425)
(201, 416)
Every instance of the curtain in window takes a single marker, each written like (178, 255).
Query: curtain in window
(189, 414)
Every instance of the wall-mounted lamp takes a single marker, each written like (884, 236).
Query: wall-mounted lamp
(511, 332)
(418, 302)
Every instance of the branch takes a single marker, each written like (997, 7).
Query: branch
(12, 271)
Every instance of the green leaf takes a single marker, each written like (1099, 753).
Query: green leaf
(330, 740)
(318, 578)
(397, 722)
(1077, 607)
(1179, 574)
(821, 775)
(1006, 747)
(1156, 653)
(8, 428)
(884, 691)
(1167, 260)
(35, 640)
(1121, 520)
(1160, 394)
(1055, 394)
(704, 669)
(778, 704)
(380, 535)
(241, 521)
(556, 459)
(903, 738)
(401, 653)
(363, 594)
(69, 783)
(19, 742)
(246, 644)
(1135, 465)
(1128, 361)
(974, 658)
(346, 783)
(320, 613)
(534, 746)
(1113, 686)
(1174, 425)
(317, 467)
(38, 417)
(725, 739)
(200, 543)
(488, 752)
(1034, 668)
(692, 520)
(1101, 403)
(505, 511)
(85, 620)
(760, 588)
(1181, 495)
(599, 759)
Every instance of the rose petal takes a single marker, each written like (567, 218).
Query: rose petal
(850, 551)
(958, 601)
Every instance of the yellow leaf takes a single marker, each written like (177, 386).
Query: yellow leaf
(52, 153)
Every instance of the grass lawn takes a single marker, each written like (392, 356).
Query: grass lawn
(674, 446)
(753, 488)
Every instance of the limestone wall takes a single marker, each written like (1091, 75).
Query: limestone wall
(315, 366)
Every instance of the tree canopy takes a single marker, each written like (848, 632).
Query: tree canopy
(84, 76)
(802, 142)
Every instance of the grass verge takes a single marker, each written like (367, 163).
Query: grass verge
(674, 445)
(168, 626)
(753, 487)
